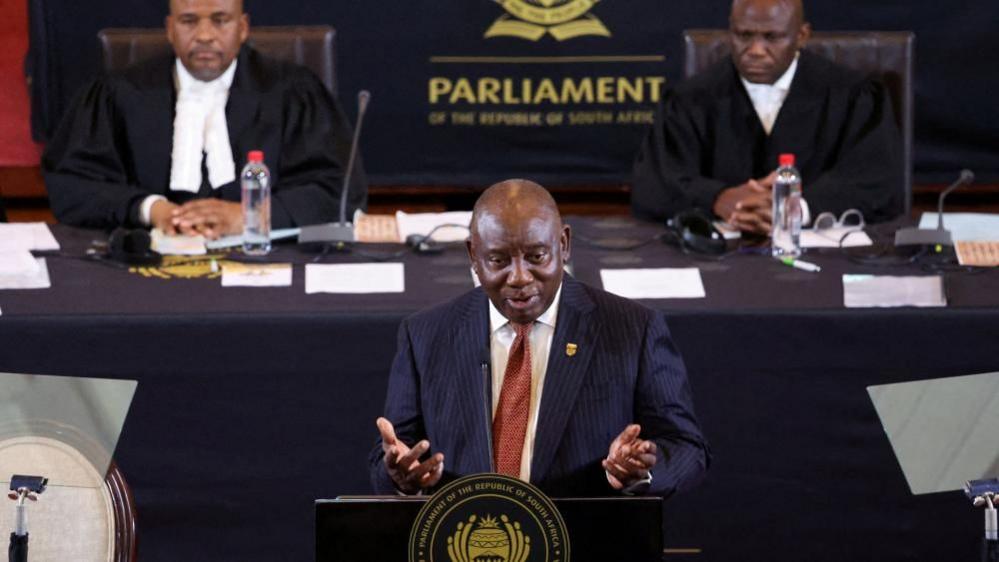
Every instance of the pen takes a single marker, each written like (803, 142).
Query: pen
(803, 265)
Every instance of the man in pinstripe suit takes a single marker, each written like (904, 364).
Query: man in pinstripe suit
(536, 375)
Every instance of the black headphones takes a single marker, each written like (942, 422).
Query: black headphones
(694, 231)
(132, 247)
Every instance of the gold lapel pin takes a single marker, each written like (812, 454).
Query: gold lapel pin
(570, 349)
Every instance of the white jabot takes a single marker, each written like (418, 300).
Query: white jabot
(501, 336)
(200, 127)
(768, 98)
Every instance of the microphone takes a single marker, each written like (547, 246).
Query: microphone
(939, 236)
(341, 232)
(487, 402)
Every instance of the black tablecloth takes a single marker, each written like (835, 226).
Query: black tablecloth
(252, 402)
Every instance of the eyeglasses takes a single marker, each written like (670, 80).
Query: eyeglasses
(851, 218)
(827, 226)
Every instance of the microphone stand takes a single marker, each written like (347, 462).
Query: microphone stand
(22, 488)
(340, 234)
(939, 236)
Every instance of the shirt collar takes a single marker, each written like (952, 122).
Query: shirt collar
(548, 317)
(783, 83)
(185, 82)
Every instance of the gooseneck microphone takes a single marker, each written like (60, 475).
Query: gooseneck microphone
(939, 236)
(341, 232)
(966, 177)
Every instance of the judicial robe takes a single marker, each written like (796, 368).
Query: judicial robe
(113, 148)
(707, 137)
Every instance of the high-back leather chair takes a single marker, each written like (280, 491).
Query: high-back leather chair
(310, 46)
(83, 515)
(885, 55)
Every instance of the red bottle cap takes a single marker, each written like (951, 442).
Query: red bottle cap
(786, 160)
(255, 156)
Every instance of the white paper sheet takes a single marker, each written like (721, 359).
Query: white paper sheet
(423, 223)
(256, 275)
(17, 262)
(663, 283)
(886, 291)
(37, 279)
(966, 227)
(27, 236)
(829, 238)
(177, 244)
(355, 278)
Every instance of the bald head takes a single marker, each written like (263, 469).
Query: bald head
(518, 246)
(796, 8)
(514, 199)
(765, 36)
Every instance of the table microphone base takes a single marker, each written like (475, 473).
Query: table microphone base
(329, 233)
(923, 237)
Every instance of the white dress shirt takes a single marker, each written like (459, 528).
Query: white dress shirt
(200, 130)
(501, 336)
(768, 98)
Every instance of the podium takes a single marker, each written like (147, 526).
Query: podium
(366, 528)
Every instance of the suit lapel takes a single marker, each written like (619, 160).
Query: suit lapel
(578, 326)
(473, 395)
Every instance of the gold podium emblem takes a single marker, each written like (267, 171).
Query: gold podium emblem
(489, 541)
(489, 518)
(562, 19)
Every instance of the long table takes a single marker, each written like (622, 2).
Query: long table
(254, 402)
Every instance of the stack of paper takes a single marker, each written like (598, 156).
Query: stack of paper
(663, 283)
(883, 291)
(256, 275)
(177, 244)
(830, 238)
(355, 278)
(20, 270)
(27, 236)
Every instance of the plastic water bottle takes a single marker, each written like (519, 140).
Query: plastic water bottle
(786, 236)
(256, 195)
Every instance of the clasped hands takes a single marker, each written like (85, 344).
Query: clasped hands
(628, 460)
(211, 218)
(748, 207)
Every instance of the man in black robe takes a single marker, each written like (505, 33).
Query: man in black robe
(161, 144)
(717, 136)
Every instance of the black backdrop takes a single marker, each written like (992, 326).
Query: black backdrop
(387, 47)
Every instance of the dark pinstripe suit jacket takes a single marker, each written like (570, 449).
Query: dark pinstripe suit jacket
(626, 369)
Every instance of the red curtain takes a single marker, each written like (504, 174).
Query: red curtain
(16, 146)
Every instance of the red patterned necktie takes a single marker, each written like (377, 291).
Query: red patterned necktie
(510, 422)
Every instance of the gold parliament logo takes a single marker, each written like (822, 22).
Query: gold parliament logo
(185, 267)
(532, 19)
(489, 518)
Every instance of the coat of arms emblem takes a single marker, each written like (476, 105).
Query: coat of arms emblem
(532, 19)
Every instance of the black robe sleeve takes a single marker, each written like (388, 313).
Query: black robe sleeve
(314, 154)
(666, 178)
(865, 172)
(84, 164)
